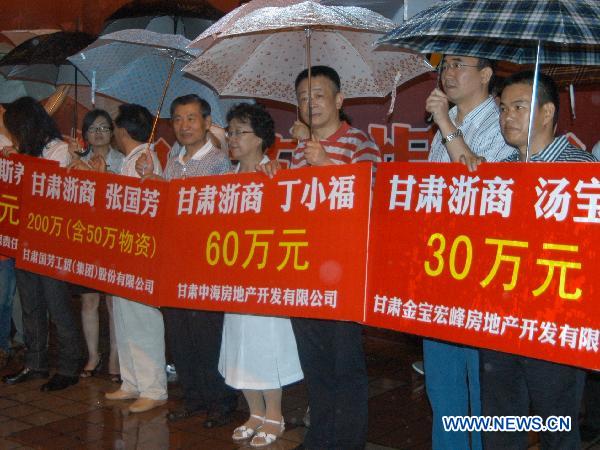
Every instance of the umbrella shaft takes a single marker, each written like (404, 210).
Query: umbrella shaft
(162, 100)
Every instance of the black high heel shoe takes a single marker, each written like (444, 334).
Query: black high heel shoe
(91, 373)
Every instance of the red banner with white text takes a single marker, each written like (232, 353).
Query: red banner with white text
(99, 230)
(294, 245)
(505, 258)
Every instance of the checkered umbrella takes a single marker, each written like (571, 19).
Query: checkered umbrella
(568, 30)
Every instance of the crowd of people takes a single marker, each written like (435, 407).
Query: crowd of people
(216, 354)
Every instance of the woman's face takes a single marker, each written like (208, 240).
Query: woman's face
(99, 133)
(242, 141)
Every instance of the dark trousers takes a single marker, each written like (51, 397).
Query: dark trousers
(194, 340)
(591, 400)
(514, 385)
(42, 298)
(333, 361)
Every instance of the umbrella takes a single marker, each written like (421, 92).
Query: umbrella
(17, 37)
(143, 67)
(523, 32)
(11, 90)
(170, 17)
(261, 53)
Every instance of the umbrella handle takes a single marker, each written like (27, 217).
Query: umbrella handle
(307, 33)
(160, 105)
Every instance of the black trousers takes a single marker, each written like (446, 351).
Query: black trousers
(44, 298)
(514, 385)
(591, 400)
(194, 340)
(333, 361)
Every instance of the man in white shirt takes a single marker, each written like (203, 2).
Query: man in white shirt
(139, 328)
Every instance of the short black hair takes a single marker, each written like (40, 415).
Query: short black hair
(30, 126)
(316, 71)
(191, 98)
(136, 120)
(547, 91)
(329, 73)
(90, 117)
(259, 119)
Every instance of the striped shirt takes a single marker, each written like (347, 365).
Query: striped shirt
(481, 133)
(208, 160)
(560, 150)
(346, 146)
(128, 165)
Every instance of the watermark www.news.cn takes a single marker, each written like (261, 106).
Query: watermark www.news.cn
(507, 423)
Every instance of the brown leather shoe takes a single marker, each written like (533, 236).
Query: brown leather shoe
(143, 404)
(120, 394)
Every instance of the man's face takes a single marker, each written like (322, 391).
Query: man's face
(119, 134)
(326, 102)
(515, 105)
(461, 78)
(189, 125)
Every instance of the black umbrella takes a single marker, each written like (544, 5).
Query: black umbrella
(188, 18)
(44, 58)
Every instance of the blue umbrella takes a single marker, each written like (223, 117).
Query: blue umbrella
(144, 67)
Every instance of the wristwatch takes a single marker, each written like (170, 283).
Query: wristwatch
(451, 136)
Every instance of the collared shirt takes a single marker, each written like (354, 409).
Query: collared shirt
(128, 166)
(57, 150)
(265, 159)
(481, 132)
(208, 160)
(347, 145)
(559, 150)
(114, 160)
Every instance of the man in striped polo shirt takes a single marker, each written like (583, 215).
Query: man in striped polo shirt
(468, 132)
(331, 352)
(513, 385)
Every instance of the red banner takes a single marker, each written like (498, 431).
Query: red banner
(294, 245)
(12, 174)
(504, 258)
(99, 230)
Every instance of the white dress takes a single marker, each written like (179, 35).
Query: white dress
(258, 352)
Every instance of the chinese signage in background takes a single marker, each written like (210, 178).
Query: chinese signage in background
(98, 230)
(292, 245)
(12, 174)
(505, 258)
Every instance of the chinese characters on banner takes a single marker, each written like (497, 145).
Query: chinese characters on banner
(12, 173)
(504, 258)
(294, 245)
(99, 230)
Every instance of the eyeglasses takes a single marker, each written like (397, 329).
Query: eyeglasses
(455, 65)
(99, 129)
(236, 133)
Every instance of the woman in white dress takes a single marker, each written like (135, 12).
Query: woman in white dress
(97, 132)
(258, 353)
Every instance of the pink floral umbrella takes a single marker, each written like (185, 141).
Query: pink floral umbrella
(260, 51)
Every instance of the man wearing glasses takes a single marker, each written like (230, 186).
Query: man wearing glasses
(469, 132)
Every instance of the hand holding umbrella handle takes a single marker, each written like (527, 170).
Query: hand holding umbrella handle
(144, 165)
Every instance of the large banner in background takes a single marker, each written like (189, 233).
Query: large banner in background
(506, 258)
(100, 230)
(295, 245)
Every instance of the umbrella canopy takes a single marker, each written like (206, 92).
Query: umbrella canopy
(171, 17)
(17, 37)
(44, 58)
(10, 90)
(506, 30)
(260, 54)
(133, 66)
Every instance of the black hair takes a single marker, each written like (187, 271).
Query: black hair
(191, 98)
(136, 120)
(547, 91)
(329, 73)
(30, 126)
(89, 119)
(259, 119)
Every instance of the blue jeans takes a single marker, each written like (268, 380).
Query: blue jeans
(7, 293)
(452, 382)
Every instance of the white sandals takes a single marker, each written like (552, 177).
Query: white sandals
(262, 439)
(243, 432)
